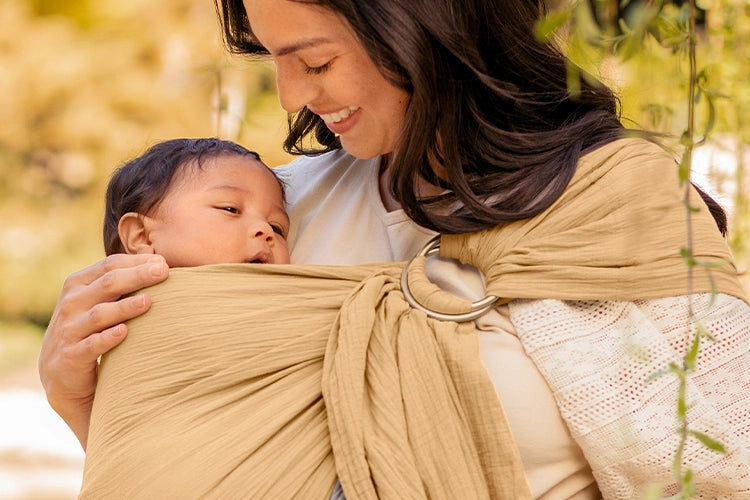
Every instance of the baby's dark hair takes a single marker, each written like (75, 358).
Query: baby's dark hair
(140, 184)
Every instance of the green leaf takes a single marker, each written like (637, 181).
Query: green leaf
(681, 403)
(574, 80)
(688, 485)
(686, 160)
(667, 31)
(714, 263)
(713, 291)
(546, 28)
(687, 479)
(587, 25)
(684, 13)
(711, 119)
(624, 26)
(656, 375)
(698, 94)
(708, 441)
(223, 103)
(687, 256)
(686, 140)
(629, 45)
(689, 207)
(704, 332)
(692, 354)
(677, 461)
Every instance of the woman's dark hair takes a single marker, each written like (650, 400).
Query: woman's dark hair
(508, 132)
(140, 184)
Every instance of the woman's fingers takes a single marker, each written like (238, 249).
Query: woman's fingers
(118, 274)
(89, 300)
(87, 322)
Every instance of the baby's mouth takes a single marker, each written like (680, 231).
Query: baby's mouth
(262, 257)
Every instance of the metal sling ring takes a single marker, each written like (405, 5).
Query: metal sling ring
(478, 308)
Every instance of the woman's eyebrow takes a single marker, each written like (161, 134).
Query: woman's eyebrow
(302, 44)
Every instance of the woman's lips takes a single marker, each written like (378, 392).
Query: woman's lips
(341, 121)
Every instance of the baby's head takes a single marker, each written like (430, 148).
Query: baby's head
(196, 202)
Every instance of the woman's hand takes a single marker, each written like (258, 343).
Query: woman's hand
(87, 322)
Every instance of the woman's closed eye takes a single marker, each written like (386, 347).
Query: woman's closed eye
(316, 70)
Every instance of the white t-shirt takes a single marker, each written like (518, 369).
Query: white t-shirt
(337, 217)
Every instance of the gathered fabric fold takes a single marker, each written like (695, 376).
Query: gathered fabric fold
(271, 381)
(412, 412)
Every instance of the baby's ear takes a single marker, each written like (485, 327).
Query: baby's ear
(133, 233)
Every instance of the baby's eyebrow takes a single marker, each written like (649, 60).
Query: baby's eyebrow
(227, 187)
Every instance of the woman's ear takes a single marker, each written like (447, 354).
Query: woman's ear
(133, 233)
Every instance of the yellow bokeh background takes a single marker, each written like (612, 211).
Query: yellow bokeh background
(85, 86)
(88, 84)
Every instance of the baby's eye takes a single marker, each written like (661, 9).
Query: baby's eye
(278, 230)
(316, 70)
(231, 210)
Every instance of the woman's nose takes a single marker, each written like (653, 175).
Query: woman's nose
(295, 88)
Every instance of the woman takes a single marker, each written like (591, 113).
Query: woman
(367, 80)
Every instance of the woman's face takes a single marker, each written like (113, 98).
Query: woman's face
(321, 65)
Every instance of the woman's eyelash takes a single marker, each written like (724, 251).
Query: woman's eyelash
(316, 70)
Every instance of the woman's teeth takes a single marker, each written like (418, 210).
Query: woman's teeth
(340, 115)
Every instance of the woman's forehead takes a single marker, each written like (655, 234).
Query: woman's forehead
(285, 26)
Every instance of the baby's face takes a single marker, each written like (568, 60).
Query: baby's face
(229, 211)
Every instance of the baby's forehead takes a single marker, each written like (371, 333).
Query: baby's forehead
(250, 166)
(199, 165)
(223, 157)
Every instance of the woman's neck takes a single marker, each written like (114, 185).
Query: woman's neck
(384, 184)
(390, 203)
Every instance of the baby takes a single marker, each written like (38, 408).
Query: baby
(196, 202)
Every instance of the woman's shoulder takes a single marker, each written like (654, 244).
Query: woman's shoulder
(331, 164)
(313, 177)
(632, 150)
(628, 166)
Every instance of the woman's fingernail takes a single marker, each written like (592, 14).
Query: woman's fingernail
(157, 269)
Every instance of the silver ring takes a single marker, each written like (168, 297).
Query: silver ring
(478, 308)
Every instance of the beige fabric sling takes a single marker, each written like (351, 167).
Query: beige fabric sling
(248, 380)
(216, 393)
(614, 234)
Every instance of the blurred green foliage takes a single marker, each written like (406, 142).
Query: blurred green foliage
(640, 48)
(86, 85)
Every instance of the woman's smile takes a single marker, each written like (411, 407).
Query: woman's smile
(338, 115)
(322, 65)
(342, 121)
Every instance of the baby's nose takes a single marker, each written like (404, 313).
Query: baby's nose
(262, 230)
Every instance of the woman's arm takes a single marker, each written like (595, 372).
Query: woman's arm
(87, 322)
(598, 357)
